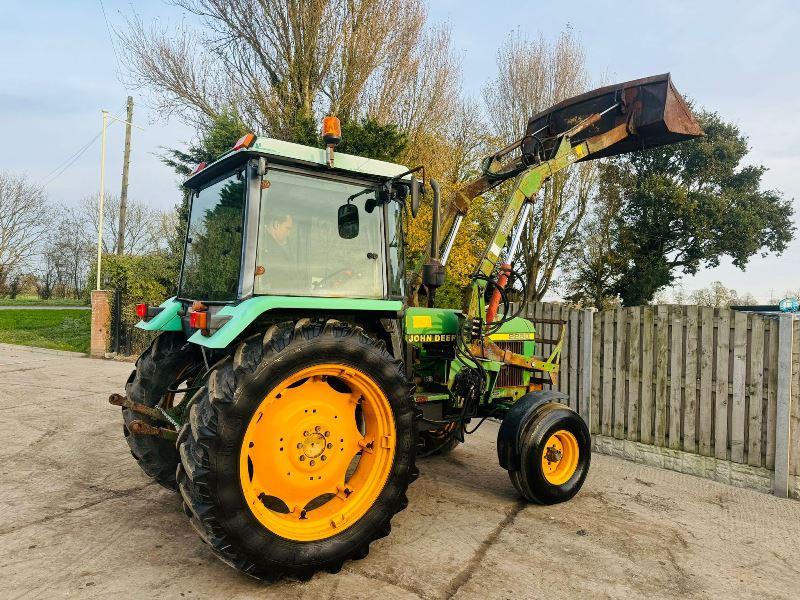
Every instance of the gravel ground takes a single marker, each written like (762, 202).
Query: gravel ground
(80, 520)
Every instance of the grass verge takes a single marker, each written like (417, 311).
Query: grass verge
(36, 301)
(56, 329)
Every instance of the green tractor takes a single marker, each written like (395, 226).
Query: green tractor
(293, 384)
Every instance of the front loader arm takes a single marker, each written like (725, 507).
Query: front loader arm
(530, 178)
(612, 120)
(527, 186)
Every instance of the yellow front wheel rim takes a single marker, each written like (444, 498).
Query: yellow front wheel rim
(317, 452)
(560, 457)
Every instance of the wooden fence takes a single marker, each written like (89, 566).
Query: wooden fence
(712, 382)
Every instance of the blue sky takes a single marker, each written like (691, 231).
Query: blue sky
(57, 70)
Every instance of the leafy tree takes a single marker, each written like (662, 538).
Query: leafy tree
(369, 138)
(685, 206)
(593, 262)
(214, 141)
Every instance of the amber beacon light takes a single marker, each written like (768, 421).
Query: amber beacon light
(331, 135)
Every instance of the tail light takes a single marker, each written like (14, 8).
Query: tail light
(141, 311)
(198, 320)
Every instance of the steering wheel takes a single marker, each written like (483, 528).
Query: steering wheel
(336, 278)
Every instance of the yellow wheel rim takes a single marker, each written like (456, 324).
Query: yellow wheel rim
(317, 452)
(560, 457)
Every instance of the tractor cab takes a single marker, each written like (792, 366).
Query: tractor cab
(282, 219)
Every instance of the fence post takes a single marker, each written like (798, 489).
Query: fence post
(117, 321)
(783, 411)
(587, 335)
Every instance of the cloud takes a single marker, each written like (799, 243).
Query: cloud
(50, 101)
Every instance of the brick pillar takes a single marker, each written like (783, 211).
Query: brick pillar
(101, 321)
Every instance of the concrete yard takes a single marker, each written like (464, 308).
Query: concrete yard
(79, 519)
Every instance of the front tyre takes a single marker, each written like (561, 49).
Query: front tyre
(300, 450)
(555, 453)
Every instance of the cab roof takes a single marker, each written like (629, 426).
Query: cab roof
(280, 152)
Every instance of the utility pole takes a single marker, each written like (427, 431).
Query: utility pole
(106, 118)
(126, 165)
(102, 197)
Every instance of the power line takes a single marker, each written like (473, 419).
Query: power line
(113, 46)
(69, 161)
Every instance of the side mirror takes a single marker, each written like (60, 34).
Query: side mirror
(415, 194)
(348, 221)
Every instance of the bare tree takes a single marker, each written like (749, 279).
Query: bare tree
(280, 63)
(142, 224)
(23, 222)
(593, 264)
(532, 76)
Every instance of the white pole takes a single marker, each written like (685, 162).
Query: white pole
(783, 410)
(102, 198)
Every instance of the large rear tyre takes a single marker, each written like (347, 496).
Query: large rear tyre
(166, 364)
(300, 450)
(556, 451)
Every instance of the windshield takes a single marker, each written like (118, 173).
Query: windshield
(300, 251)
(214, 242)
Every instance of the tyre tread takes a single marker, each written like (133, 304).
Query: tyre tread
(200, 442)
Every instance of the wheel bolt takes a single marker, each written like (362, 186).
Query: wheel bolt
(299, 445)
(329, 446)
(312, 463)
(305, 433)
(327, 434)
(317, 428)
(302, 457)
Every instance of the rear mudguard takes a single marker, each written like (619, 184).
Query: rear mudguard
(509, 437)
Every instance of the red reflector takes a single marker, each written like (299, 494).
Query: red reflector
(141, 311)
(199, 168)
(245, 141)
(198, 320)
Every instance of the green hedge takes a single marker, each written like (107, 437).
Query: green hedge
(151, 279)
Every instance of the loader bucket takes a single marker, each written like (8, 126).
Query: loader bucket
(652, 109)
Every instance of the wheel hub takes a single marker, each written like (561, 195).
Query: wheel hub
(317, 452)
(559, 457)
(553, 454)
(313, 444)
